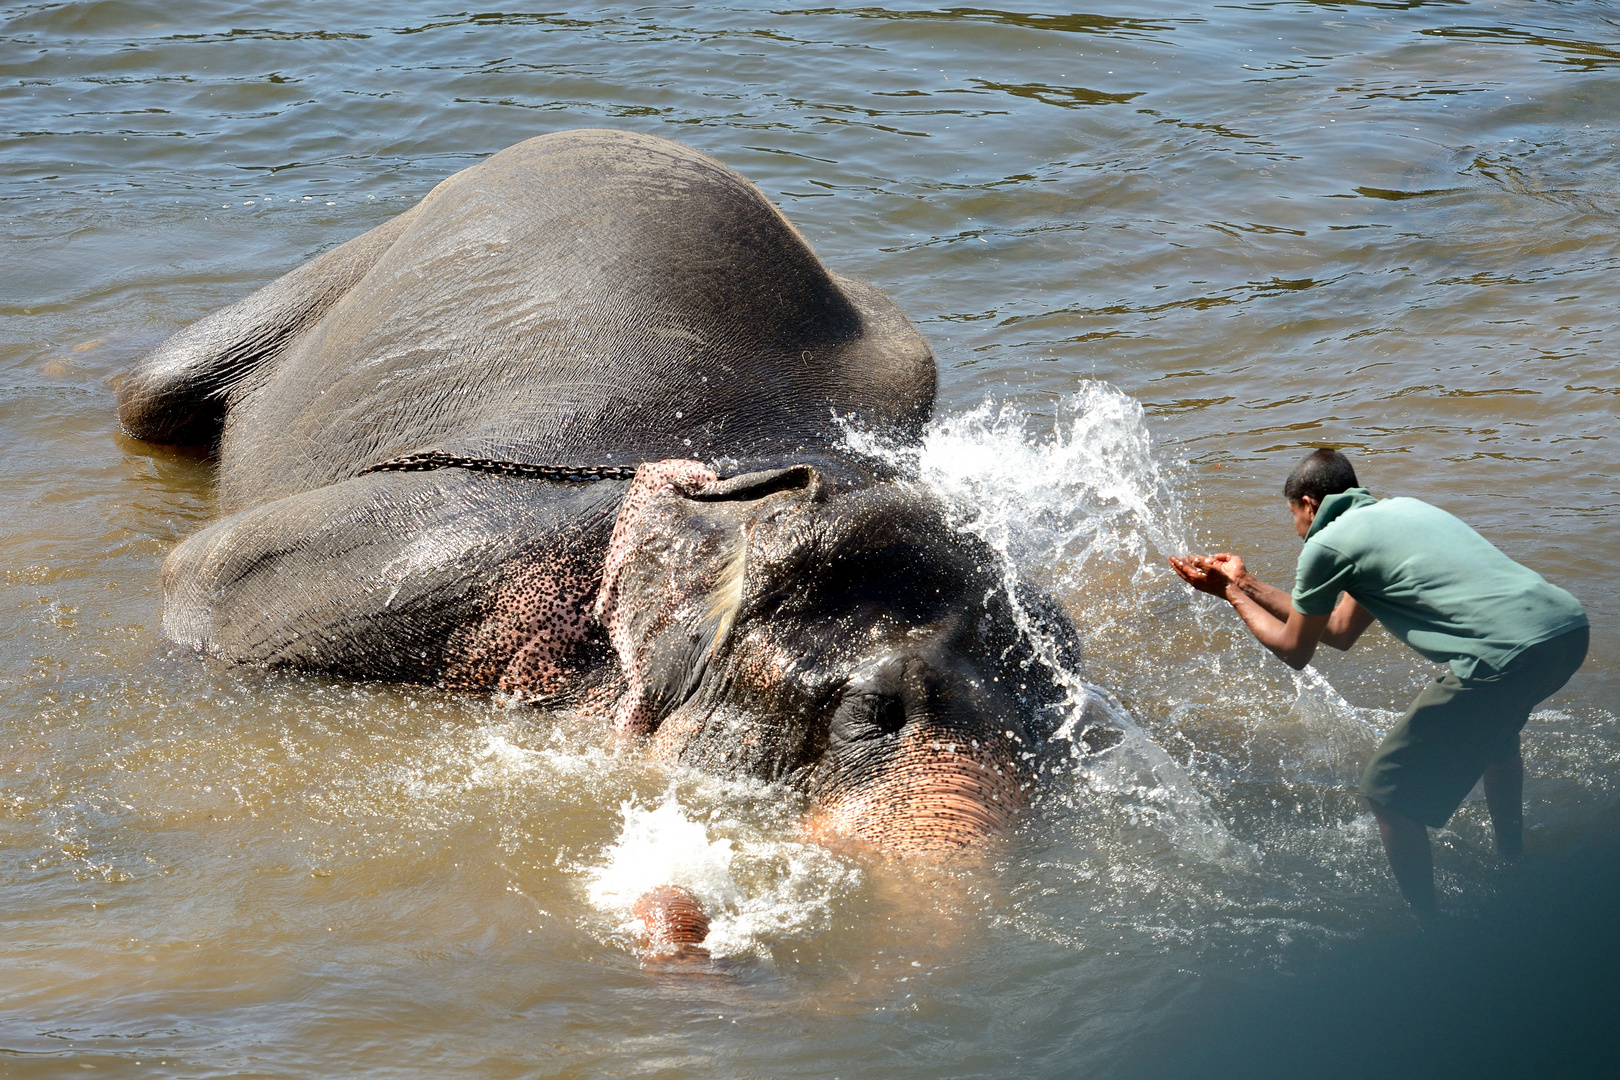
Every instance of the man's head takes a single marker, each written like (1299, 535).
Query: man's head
(1324, 472)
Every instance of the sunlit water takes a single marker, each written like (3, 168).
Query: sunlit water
(1159, 252)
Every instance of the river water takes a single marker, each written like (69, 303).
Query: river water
(1160, 250)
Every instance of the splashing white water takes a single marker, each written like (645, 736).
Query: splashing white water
(1056, 506)
(662, 846)
(758, 891)
(1054, 503)
(1334, 736)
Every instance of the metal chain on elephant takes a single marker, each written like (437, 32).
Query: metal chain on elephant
(428, 460)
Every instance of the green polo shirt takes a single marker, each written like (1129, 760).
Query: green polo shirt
(1434, 583)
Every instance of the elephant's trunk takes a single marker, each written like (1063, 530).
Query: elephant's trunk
(933, 795)
(675, 921)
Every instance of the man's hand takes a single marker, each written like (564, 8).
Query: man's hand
(1268, 612)
(1232, 566)
(1208, 573)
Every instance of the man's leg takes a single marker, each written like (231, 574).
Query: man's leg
(1504, 794)
(1538, 673)
(1406, 842)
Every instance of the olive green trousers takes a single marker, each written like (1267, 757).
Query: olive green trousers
(1456, 728)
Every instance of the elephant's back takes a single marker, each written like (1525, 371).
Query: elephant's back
(583, 297)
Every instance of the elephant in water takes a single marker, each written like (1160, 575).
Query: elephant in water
(722, 581)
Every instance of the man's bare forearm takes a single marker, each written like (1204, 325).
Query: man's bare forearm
(1292, 638)
(1267, 612)
(1265, 626)
(1276, 602)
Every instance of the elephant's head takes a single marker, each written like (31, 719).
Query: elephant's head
(842, 637)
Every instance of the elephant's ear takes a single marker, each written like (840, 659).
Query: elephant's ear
(726, 596)
(747, 487)
(652, 509)
(675, 573)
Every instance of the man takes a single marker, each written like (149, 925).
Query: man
(1511, 639)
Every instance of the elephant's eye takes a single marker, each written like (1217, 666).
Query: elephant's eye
(863, 717)
(888, 714)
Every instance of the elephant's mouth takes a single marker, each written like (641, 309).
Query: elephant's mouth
(933, 795)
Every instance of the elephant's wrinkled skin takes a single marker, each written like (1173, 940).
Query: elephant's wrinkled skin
(597, 297)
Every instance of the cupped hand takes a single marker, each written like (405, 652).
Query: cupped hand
(1205, 573)
(1230, 565)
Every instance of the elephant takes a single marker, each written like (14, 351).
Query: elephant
(572, 430)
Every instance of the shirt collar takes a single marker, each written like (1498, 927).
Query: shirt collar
(1335, 505)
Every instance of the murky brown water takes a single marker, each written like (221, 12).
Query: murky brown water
(1169, 246)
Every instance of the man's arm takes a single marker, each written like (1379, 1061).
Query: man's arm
(1346, 623)
(1275, 601)
(1292, 640)
(1269, 612)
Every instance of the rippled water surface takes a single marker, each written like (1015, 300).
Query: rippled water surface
(1159, 250)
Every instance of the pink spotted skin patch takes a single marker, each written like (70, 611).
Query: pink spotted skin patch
(634, 715)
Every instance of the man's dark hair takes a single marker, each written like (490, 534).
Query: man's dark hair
(1325, 472)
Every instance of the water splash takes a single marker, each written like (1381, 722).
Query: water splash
(1145, 783)
(1056, 502)
(759, 891)
(1059, 506)
(1332, 737)
(663, 846)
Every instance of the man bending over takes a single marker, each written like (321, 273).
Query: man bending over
(1511, 639)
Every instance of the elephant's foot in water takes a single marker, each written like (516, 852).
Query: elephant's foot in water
(676, 925)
